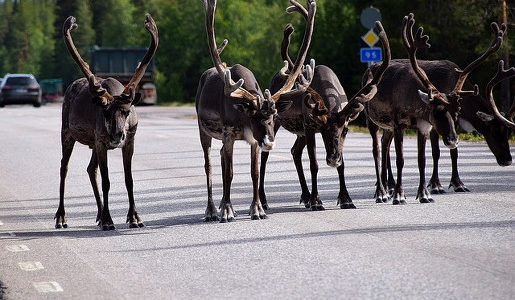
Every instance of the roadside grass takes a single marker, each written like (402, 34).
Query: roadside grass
(463, 136)
(176, 103)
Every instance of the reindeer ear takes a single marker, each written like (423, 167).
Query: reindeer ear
(424, 97)
(137, 98)
(485, 117)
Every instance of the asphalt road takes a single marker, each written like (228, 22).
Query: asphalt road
(461, 247)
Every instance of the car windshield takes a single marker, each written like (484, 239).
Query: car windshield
(25, 81)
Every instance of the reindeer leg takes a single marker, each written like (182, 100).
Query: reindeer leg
(262, 170)
(106, 222)
(211, 210)
(434, 181)
(423, 194)
(227, 210)
(380, 194)
(459, 187)
(296, 152)
(316, 203)
(386, 164)
(256, 209)
(344, 199)
(67, 148)
(92, 172)
(398, 193)
(132, 215)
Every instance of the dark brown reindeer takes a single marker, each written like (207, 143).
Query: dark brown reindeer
(393, 109)
(323, 109)
(231, 111)
(100, 113)
(445, 75)
(507, 121)
(494, 127)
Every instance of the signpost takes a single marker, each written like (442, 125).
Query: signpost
(368, 18)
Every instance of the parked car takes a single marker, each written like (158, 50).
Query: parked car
(52, 90)
(20, 88)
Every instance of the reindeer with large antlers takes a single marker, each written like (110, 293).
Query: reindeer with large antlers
(100, 113)
(508, 121)
(394, 108)
(231, 110)
(323, 109)
(446, 75)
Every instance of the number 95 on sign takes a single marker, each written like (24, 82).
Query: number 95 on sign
(371, 54)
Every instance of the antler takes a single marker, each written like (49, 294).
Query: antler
(494, 46)
(412, 44)
(231, 88)
(309, 16)
(151, 27)
(371, 86)
(500, 76)
(94, 86)
(284, 50)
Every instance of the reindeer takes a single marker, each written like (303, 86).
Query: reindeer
(391, 109)
(231, 111)
(324, 109)
(494, 127)
(100, 113)
(445, 75)
(501, 75)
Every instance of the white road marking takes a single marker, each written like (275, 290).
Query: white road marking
(17, 248)
(31, 266)
(47, 287)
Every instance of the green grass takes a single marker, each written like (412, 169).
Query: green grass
(463, 136)
(175, 103)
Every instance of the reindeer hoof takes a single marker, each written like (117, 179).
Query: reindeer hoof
(435, 191)
(225, 220)
(58, 226)
(105, 228)
(317, 207)
(347, 205)
(425, 200)
(255, 217)
(133, 225)
(399, 202)
(141, 225)
(65, 225)
(265, 206)
(461, 189)
(211, 219)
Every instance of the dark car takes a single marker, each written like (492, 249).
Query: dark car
(20, 88)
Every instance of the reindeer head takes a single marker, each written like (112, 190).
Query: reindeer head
(116, 107)
(500, 126)
(261, 111)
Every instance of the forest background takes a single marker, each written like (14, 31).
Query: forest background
(31, 38)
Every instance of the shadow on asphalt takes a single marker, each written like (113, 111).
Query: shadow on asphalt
(371, 230)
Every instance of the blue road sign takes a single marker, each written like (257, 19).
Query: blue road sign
(371, 54)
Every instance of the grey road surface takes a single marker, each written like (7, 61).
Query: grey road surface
(461, 247)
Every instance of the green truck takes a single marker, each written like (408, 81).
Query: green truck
(120, 63)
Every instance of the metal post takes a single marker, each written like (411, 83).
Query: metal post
(504, 99)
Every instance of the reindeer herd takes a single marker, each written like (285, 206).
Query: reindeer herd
(433, 97)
